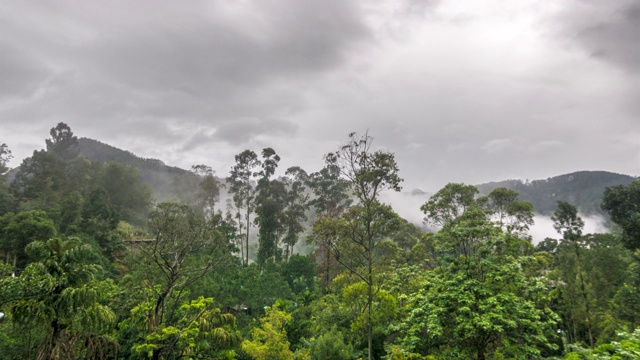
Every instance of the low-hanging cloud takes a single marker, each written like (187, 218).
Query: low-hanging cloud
(407, 205)
(543, 227)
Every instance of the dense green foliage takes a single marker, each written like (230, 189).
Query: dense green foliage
(623, 204)
(93, 268)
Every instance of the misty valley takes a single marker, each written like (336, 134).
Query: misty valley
(106, 255)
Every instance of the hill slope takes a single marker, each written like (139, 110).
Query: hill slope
(584, 189)
(159, 176)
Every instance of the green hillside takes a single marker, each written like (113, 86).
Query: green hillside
(160, 176)
(584, 189)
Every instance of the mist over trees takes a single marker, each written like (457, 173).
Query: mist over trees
(306, 265)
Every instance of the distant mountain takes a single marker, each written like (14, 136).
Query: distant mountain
(159, 176)
(584, 189)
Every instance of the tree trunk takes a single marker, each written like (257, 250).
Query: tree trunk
(241, 242)
(54, 338)
(156, 354)
(480, 355)
(586, 300)
(247, 243)
(327, 266)
(370, 294)
(369, 312)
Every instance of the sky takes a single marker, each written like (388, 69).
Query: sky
(460, 91)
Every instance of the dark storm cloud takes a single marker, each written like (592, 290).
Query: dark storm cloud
(204, 51)
(206, 64)
(608, 30)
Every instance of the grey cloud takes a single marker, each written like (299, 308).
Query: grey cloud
(21, 74)
(521, 144)
(497, 145)
(608, 30)
(544, 145)
(195, 141)
(240, 131)
(418, 7)
(204, 52)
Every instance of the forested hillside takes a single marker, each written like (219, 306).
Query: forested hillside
(159, 176)
(584, 189)
(93, 268)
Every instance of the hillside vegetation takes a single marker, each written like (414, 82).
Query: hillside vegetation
(584, 189)
(157, 174)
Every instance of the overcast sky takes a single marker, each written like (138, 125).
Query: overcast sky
(460, 91)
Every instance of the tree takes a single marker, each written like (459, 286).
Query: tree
(269, 341)
(625, 347)
(253, 287)
(363, 228)
(498, 201)
(72, 309)
(19, 230)
(6, 200)
(5, 157)
(600, 263)
(202, 331)
(567, 223)
(62, 142)
(47, 177)
(39, 180)
(479, 302)
(299, 272)
(184, 249)
(331, 199)
(270, 204)
(449, 203)
(240, 179)
(466, 313)
(209, 188)
(99, 221)
(127, 193)
(331, 346)
(296, 204)
(622, 203)
(627, 298)
(355, 300)
(511, 214)
(606, 264)
(71, 213)
(331, 192)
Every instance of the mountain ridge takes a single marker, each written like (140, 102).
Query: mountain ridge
(584, 189)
